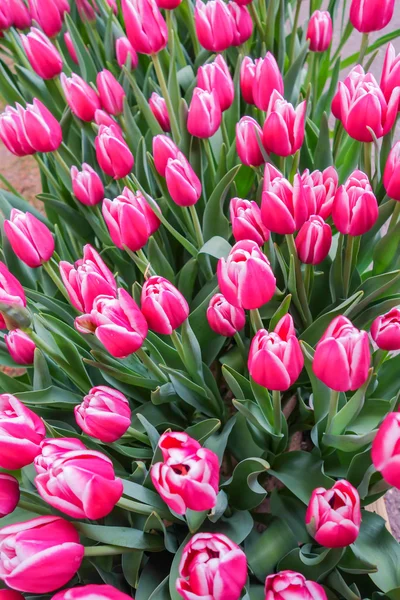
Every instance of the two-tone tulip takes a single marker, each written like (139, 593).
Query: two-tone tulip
(247, 76)
(49, 14)
(391, 175)
(111, 92)
(145, 26)
(385, 452)
(43, 56)
(355, 207)
(214, 25)
(80, 96)
(390, 78)
(223, 318)
(313, 241)
(204, 116)
(283, 131)
(87, 185)
(216, 76)
(247, 222)
(20, 346)
(242, 23)
(126, 53)
(163, 305)
(163, 149)
(249, 137)
(104, 414)
(373, 15)
(31, 240)
(319, 31)
(11, 291)
(159, 109)
(183, 184)
(112, 152)
(320, 188)
(267, 78)
(385, 330)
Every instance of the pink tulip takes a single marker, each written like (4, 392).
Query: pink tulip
(385, 450)
(245, 278)
(319, 31)
(313, 241)
(342, 356)
(80, 96)
(168, 4)
(111, 92)
(126, 52)
(385, 330)
(12, 132)
(42, 130)
(283, 131)
(267, 79)
(391, 175)
(10, 595)
(163, 306)
(20, 347)
(373, 15)
(320, 189)
(87, 9)
(390, 78)
(30, 239)
(53, 448)
(356, 77)
(182, 182)
(9, 495)
(104, 414)
(49, 14)
(188, 477)
(212, 567)
(247, 76)
(249, 137)
(21, 18)
(355, 208)
(163, 149)
(223, 318)
(333, 516)
(214, 25)
(11, 291)
(70, 47)
(112, 152)
(204, 117)
(21, 432)
(5, 16)
(288, 584)
(159, 109)
(88, 278)
(87, 185)
(116, 322)
(130, 220)
(242, 23)
(103, 118)
(44, 58)
(91, 592)
(246, 221)
(145, 26)
(216, 76)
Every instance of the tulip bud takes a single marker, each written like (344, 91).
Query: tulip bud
(104, 414)
(145, 26)
(347, 348)
(221, 559)
(21, 18)
(168, 4)
(267, 79)
(373, 15)
(355, 208)
(246, 221)
(163, 306)
(111, 92)
(386, 449)
(44, 58)
(9, 495)
(245, 278)
(333, 516)
(10, 595)
(159, 109)
(130, 220)
(90, 592)
(313, 241)
(12, 132)
(319, 31)
(80, 96)
(20, 347)
(188, 477)
(320, 189)
(216, 76)
(112, 152)
(204, 115)
(126, 53)
(385, 330)
(87, 9)
(87, 185)
(242, 23)
(223, 318)
(288, 584)
(249, 136)
(283, 131)
(390, 78)
(11, 291)
(5, 16)
(163, 149)
(30, 239)
(70, 47)
(41, 129)
(247, 76)
(103, 118)
(49, 14)
(391, 176)
(214, 25)
(182, 182)
(356, 77)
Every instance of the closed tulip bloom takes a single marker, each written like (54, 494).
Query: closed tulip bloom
(391, 175)
(130, 220)
(373, 15)
(49, 14)
(267, 79)
(9, 495)
(21, 432)
(159, 109)
(246, 221)
(80, 96)
(103, 118)
(104, 414)
(333, 516)
(42, 129)
(288, 584)
(247, 75)
(188, 477)
(249, 136)
(88, 278)
(21, 18)
(12, 131)
(126, 53)
(212, 567)
(87, 9)
(313, 241)
(70, 47)
(319, 31)
(163, 305)
(355, 208)
(10, 595)
(216, 76)
(283, 131)
(91, 592)
(390, 78)
(111, 92)
(44, 58)
(242, 23)
(223, 318)
(40, 555)
(112, 152)
(385, 450)
(11, 291)
(346, 347)
(147, 31)
(20, 347)
(163, 149)
(320, 188)
(31, 240)
(53, 448)
(183, 184)
(5, 16)
(356, 77)
(168, 4)
(87, 185)
(204, 117)
(385, 330)
(214, 25)
(116, 322)
(245, 278)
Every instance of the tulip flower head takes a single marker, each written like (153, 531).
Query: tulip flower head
(145, 26)
(70, 47)
(355, 207)
(9, 495)
(163, 305)
(249, 137)
(31, 240)
(80, 96)
(20, 347)
(112, 152)
(313, 241)
(104, 414)
(111, 92)
(159, 109)
(223, 318)
(242, 23)
(49, 14)
(43, 56)
(126, 53)
(285, 584)
(183, 184)
(216, 76)
(283, 131)
(267, 80)
(11, 291)
(91, 591)
(246, 221)
(385, 330)
(391, 175)
(320, 189)
(319, 31)
(214, 25)
(204, 117)
(163, 149)
(87, 185)
(247, 76)
(369, 16)
(385, 451)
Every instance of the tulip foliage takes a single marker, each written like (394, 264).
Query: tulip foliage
(200, 326)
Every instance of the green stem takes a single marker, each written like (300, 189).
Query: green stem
(378, 358)
(367, 147)
(256, 320)
(106, 550)
(224, 132)
(281, 164)
(46, 170)
(151, 365)
(62, 163)
(136, 507)
(348, 260)
(34, 508)
(295, 166)
(301, 291)
(197, 226)
(276, 400)
(241, 346)
(137, 435)
(254, 15)
(394, 217)
(146, 262)
(178, 346)
(308, 277)
(363, 48)
(48, 267)
(210, 159)
(164, 88)
(338, 139)
(333, 406)
(294, 32)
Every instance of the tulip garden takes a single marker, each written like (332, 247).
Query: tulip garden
(200, 319)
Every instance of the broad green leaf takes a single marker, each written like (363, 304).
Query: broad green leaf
(243, 489)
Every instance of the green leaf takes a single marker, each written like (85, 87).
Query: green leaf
(313, 565)
(203, 430)
(323, 152)
(86, 64)
(292, 79)
(125, 537)
(351, 409)
(49, 396)
(292, 511)
(386, 251)
(217, 247)
(143, 105)
(265, 551)
(280, 312)
(353, 562)
(214, 221)
(243, 489)
(321, 393)
(192, 352)
(348, 443)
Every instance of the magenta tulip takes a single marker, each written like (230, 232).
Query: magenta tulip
(319, 31)
(70, 47)
(112, 152)
(242, 23)
(163, 305)
(168, 4)
(87, 185)
(10, 595)
(267, 79)
(11, 291)
(103, 118)
(40, 128)
(390, 78)
(44, 58)
(111, 92)
(214, 25)
(159, 109)
(31, 240)
(12, 132)
(385, 450)
(20, 347)
(49, 14)
(320, 189)
(147, 31)
(216, 76)
(91, 592)
(391, 175)
(21, 18)
(247, 76)
(288, 584)
(126, 53)
(182, 182)
(9, 495)
(355, 207)
(283, 131)
(249, 137)
(313, 241)
(372, 15)
(204, 117)
(223, 318)
(80, 96)
(163, 149)
(385, 330)
(246, 221)
(5, 16)
(104, 414)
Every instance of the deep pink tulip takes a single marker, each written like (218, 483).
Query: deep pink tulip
(87, 185)
(20, 347)
(283, 131)
(5, 16)
(11, 291)
(355, 208)
(333, 516)
(245, 278)
(41, 128)
(112, 152)
(267, 79)
(88, 278)
(242, 23)
(43, 56)
(163, 305)
(116, 322)
(288, 584)
(385, 450)
(21, 432)
(87, 9)
(284, 206)
(246, 221)
(103, 118)
(214, 25)
(342, 356)
(9, 495)
(80, 96)
(168, 4)
(163, 149)
(212, 567)
(91, 592)
(111, 92)
(356, 77)
(391, 175)
(21, 18)
(40, 555)
(183, 184)
(10, 595)
(223, 318)
(247, 75)
(130, 220)
(390, 78)
(12, 131)
(371, 15)
(70, 47)
(313, 241)
(53, 448)
(147, 31)
(49, 14)
(385, 330)
(249, 136)
(80, 483)
(188, 477)
(216, 76)
(204, 116)
(31, 240)
(320, 189)
(126, 53)
(104, 414)
(160, 111)
(319, 31)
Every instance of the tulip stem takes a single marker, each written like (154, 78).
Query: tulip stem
(164, 88)
(254, 15)
(378, 358)
(48, 267)
(197, 226)
(151, 365)
(333, 406)
(62, 163)
(224, 132)
(256, 320)
(106, 550)
(34, 508)
(367, 159)
(138, 435)
(301, 290)
(294, 33)
(308, 278)
(394, 217)
(348, 261)
(241, 346)
(363, 48)
(276, 400)
(178, 346)
(210, 159)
